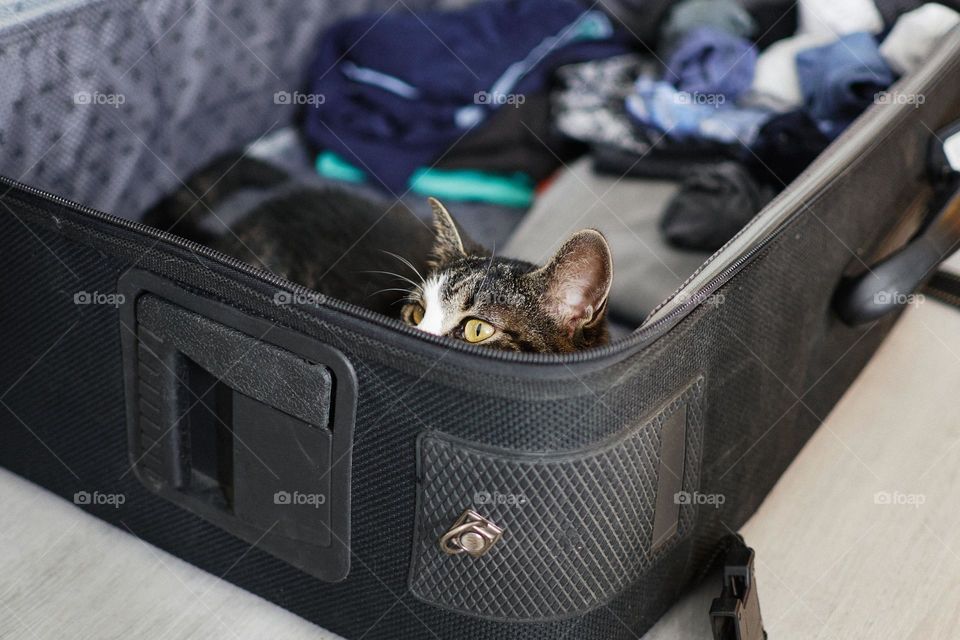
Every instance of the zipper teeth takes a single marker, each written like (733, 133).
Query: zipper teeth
(636, 338)
(195, 247)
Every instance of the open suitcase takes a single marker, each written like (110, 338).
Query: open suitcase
(593, 487)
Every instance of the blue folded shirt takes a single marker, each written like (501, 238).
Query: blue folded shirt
(681, 115)
(707, 60)
(839, 80)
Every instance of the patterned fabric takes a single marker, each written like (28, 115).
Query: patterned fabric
(681, 115)
(590, 106)
(113, 103)
(578, 526)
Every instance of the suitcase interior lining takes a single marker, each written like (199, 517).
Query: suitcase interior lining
(194, 83)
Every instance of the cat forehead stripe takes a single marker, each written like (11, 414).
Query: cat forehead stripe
(433, 306)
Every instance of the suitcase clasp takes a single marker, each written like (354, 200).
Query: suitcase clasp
(472, 534)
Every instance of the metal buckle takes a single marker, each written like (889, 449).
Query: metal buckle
(735, 615)
(471, 534)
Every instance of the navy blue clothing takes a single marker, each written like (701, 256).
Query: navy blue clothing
(839, 80)
(400, 89)
(786, 144)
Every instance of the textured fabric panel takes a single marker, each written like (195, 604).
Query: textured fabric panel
(578, 527)
(113, 103)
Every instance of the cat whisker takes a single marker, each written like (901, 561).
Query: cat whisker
(395, 275)
(404, 261)
(407, 291)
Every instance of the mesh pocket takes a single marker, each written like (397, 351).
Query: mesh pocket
(579, 526)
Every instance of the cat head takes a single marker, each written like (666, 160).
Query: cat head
(473, 296)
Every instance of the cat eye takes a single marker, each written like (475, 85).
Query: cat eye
(477, 330)
(416, 314)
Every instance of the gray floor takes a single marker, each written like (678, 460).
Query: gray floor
(859, 539)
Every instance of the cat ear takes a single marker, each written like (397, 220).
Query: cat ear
(577, 280)
(448, 244)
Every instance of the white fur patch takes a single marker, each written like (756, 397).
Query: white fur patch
(433, 320)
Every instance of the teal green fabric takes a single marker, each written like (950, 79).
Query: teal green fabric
(509, 190)
(332, 165)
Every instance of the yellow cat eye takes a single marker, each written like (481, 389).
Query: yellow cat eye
(477, 330)
(416, 314)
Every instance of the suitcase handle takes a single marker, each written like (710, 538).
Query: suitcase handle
(891, 283)
(242, 422)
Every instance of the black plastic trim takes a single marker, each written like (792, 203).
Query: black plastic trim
(330, 563)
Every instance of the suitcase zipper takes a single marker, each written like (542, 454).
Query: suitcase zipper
(638, 338)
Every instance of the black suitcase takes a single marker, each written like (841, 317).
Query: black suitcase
(376, 480)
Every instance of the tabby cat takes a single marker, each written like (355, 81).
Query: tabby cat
(359, 251)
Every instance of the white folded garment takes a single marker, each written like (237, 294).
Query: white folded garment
(915, 34)
(839, 17)
(775, 82)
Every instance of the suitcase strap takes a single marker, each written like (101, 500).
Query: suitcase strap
(735, 615)
(945, 287)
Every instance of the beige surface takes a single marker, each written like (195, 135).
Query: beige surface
(832, 562)
(65, 574)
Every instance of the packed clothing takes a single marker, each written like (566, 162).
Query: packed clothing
(730, 99)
